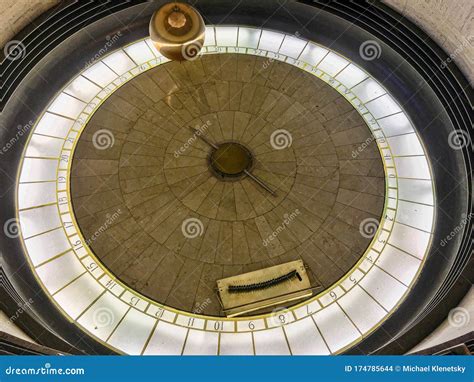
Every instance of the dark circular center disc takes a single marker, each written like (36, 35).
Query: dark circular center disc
(230, 160)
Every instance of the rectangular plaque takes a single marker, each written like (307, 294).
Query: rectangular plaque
(264, 288)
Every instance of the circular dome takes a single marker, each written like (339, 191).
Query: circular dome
(378, 281)
(177, 145)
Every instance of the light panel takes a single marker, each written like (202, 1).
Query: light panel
(305, 339)
(336, 328)
(368, 90)
(53, 125)
(249, 37)
(415, 215)
(410, 240)
(46, 246)
(167, 339)
(385, 289)
(100, 74)
(226, 36)
(351, 75)
(78, 295)
(38, 220)
(416, 190)
(412, 167)
(119, 62)
(383, 106)
(199, 342)
(236, 343)
(60, 271)
(292, 46)
(399, 264)
(270, 41)
(405, 145)
(83, 89)
(313, 54)
(395, 124)
(67, 106)
(332, 64)
(139, 52)
(363, 310)
(41, 146)
(137, 323)
(36, 194)
(103, 316)
(271, 342)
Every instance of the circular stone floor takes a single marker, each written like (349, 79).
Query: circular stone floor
(162, 220)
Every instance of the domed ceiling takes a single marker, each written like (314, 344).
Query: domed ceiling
(144, 166)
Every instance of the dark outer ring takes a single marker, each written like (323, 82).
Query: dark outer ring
(443, 265)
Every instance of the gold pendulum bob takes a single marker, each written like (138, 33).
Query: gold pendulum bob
(177, 30)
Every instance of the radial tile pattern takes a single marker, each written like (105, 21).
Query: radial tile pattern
(163, 222)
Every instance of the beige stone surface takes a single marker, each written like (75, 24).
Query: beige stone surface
(157, 174)
(17, 14)
(449, 23)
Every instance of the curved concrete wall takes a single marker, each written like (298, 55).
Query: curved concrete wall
(16, 14)
(449, 23)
